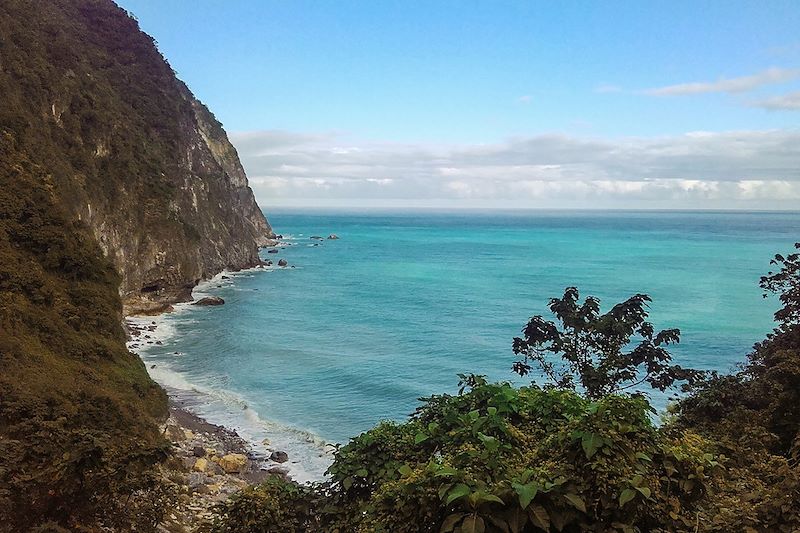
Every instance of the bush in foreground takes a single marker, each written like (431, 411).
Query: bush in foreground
(497, 458)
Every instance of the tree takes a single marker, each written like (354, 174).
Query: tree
(785, 282)
(598, 352)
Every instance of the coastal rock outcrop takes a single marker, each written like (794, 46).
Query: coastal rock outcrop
(283, 263)
(279, 457)
(209, 301)
(127, 148)
(232, 462)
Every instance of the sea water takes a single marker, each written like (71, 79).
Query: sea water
(363, 326)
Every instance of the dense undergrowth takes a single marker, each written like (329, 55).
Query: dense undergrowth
(77, 410)
(499, 458)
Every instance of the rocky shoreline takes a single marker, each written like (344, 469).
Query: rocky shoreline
(210, 463)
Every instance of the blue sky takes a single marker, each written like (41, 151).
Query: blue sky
(303, 86)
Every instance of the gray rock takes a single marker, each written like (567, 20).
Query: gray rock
(316, 238)
(272, 251)
(333, 237)
(201, 489)
(257, 456)
(198, 451)
(283, 263)
(196, 479)
(279, 457)
(210, 300)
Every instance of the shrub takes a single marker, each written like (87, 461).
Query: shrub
(498, 458)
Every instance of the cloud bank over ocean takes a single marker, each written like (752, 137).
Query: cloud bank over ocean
(736, 169)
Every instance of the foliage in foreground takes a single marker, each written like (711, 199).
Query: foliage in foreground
(602, 354)
(498, 458)
(754, 417)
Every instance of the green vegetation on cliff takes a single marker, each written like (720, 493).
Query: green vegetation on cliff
(129, 150)
(113, 179)
(77, 410)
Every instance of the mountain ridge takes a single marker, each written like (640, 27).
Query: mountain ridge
(133, 153)
(119, 191)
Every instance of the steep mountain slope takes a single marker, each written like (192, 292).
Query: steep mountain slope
(116, 186)
(130, 150)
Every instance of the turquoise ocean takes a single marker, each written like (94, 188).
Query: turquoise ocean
(404, 301)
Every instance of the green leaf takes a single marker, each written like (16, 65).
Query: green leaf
(444, 471)
(405, 470)
(492, 411)
(484, 497)
(459, 491)
(644, 457)
(443, 490)
(516, 519)
(644, 490)
(473, 524)
(526, 493)
(576, 502)
(362, 472)
(420, 437)
(450, 522)
(591, 442)
(499, 523)
(347, 483)
(490, 443)
(626, 496)
(539, 517)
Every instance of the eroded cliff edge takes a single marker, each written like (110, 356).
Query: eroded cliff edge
(128, 148)
(116, 186)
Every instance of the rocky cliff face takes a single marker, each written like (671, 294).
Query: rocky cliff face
(114, 182)
(130, 150)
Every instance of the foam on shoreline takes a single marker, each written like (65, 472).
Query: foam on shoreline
(309, 455)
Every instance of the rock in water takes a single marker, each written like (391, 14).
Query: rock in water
(316, 237)
(333, 237)
(279, 457)
(283, 263)
(210, 300)
(272, 251)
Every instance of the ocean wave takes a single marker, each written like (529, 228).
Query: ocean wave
(309, 454)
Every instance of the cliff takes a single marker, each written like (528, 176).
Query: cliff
(116, 187)
(131, 152)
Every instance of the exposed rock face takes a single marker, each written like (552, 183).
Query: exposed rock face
(233, 462)
(209, 301)
(279, 457)
(128, 149)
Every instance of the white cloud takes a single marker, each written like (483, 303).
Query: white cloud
(728, 85)
(786, 102)
(756, 169)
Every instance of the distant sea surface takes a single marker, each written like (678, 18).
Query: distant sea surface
(402, 302)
